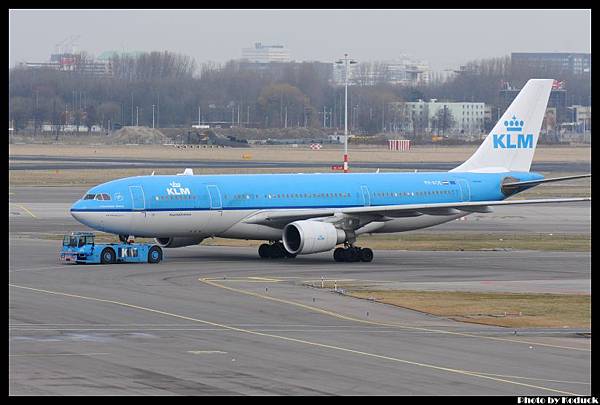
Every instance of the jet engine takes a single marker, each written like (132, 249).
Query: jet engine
(304, 237)
(177, 242)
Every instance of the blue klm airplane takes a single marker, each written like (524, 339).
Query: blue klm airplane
(310, 213)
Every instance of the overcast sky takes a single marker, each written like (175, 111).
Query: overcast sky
(444, 38)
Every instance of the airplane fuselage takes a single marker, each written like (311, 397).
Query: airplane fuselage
(216, 205)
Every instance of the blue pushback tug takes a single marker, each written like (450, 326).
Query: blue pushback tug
(79, 247)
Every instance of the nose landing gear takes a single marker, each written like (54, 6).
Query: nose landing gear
(274, 251)
(126, 238)
(352, 254)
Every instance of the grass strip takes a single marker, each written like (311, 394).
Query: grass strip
(518, 310)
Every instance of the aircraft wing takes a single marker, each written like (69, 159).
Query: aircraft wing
(280, 218)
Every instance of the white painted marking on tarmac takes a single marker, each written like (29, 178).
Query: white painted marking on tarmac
(314, 329)
(206, 352)
(537, 379)
(300, 341)
(55, 354)
(64, 266)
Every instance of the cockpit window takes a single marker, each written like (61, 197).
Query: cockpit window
(102, 197)
(89, 196)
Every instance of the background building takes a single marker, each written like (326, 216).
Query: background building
(581, 117)
(401, 71)
(445, 117)
(73, 62)
(552, 62)
(266, 53)
(557, 100)
(277, 70)
(405, 71)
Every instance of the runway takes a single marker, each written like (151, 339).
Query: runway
(220, 321)
(38, 162)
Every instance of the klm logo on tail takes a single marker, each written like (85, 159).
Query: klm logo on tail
(514, 138)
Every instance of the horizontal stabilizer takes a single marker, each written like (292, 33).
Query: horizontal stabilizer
(516, 184)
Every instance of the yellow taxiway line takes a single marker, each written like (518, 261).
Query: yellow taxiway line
(24, 209)
(397, 325)
(295, 340)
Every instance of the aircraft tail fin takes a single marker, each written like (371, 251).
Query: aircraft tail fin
(511, 144)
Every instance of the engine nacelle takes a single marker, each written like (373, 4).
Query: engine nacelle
(177, 242)
(304, 237)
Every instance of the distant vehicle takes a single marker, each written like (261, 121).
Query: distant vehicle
(80, 248)
(309, 213)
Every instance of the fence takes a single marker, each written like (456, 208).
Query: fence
(399, 144)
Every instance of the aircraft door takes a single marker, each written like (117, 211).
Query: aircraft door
(138, 205)
(138, 202)
(465, 190)
(366, 196)
(214, 197)
(215, 221)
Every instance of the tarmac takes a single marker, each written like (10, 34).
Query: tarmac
(41, 162)
(212, 320)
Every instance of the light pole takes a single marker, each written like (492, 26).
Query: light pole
(137, 116)
(346, 62)
(152, 116)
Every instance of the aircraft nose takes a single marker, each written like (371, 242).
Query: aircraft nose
(77, 210)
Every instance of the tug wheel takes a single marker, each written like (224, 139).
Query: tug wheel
(107, 256)
(154, 254)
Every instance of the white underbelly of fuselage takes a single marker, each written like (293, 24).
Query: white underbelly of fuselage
(223, 223)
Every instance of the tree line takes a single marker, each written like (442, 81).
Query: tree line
(173, 91)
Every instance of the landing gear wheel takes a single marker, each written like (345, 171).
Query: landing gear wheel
(107, 256)
(123, 238)
(276, 251)
(154, 254)
(263, 251)
(366, 255)
(338, 255)
(353, 254)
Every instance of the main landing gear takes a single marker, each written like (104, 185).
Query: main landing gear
(352, 254)
(274, 251)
